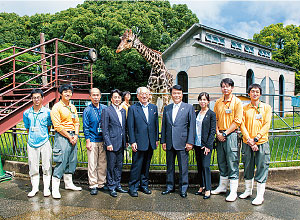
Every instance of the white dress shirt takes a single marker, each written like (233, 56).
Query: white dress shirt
(145, 109)
(118, 110)
(175, 111)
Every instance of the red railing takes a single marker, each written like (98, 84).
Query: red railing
(24, 69)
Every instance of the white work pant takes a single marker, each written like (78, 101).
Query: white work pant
(45, 151)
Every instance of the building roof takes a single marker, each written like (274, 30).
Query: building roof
(226, 51)
(241, 55)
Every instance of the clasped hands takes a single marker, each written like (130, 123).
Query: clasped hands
(252, 144)
(73, 139)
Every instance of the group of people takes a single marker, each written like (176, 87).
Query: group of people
(108, 130)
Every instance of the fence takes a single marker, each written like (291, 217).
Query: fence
(284, 147)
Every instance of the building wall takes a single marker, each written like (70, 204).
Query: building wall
(206, 68)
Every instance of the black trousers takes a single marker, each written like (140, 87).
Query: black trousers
(139, 172)
(203, 165)
(114, 168)
(183, 163)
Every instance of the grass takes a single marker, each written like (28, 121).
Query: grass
(282, 148)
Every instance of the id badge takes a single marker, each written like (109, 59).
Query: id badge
(99, 130)
(73, 116)
(258, 116)
(228, 111)
(34, 129)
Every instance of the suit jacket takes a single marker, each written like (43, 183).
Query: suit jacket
(113, 132)
(208, 129)
(139, 130)
(183, 129)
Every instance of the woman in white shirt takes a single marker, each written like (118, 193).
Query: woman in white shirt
(205, 135)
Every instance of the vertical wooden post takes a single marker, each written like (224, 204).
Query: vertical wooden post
(91, 75)
(44, 67)
(56, 70)
(14, 68)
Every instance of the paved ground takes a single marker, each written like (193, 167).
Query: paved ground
(14, 204)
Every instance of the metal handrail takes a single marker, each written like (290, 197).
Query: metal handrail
(283, 148)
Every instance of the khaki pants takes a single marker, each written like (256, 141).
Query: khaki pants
(97, 165)
(260, 158)
(34, 154)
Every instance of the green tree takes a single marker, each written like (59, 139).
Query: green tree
(99, 24)
(286, 42)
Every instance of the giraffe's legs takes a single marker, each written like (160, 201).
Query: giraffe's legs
(165, 98)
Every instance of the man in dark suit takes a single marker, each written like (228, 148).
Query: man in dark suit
(177, 138)
(113, 123)
(142, 121)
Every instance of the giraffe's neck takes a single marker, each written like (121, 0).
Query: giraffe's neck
(151, 56)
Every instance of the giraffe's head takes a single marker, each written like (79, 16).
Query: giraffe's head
(126, 41)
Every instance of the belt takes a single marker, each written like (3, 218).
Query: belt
(222, 131)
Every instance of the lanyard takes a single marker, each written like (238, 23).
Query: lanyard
(227, 101)
(257, 109)
(69, 109)
(35, 117)
(98, 112)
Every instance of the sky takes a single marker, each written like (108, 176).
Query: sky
(241, 18)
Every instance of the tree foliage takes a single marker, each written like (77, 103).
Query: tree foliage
(286, 42)
(99, 24)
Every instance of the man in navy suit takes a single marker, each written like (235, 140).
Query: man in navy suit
(142, 121)
(177, 138)
(113, 123)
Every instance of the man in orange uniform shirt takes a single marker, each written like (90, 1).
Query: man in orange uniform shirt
(229, 113)
(66, 124)
(256, 150)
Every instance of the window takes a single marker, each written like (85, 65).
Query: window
(208, 37)
(264, 53)
(236, 45)
(249, 49)
(215, 39)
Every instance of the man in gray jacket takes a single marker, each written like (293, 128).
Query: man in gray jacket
(177, 138)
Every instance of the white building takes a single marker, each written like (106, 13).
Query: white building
(203, 56)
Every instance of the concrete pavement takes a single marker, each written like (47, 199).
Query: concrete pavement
(14, 204)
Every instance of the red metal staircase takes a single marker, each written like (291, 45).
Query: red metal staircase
(24, 69)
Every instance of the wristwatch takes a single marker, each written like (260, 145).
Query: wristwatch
(224, 134)
(255, 139)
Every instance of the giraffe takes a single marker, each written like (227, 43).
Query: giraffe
(160, 79)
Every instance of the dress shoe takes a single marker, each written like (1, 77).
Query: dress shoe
(146, 190)
(119, 189)
(104, 188)
(183, 194)
(133, 193)
(198, 193)
(113, 193)
(94, 191)
(168, 191)
(206, 196)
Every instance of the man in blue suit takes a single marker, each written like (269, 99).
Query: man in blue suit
(142, 121)
(177, 138)
(113, 123)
